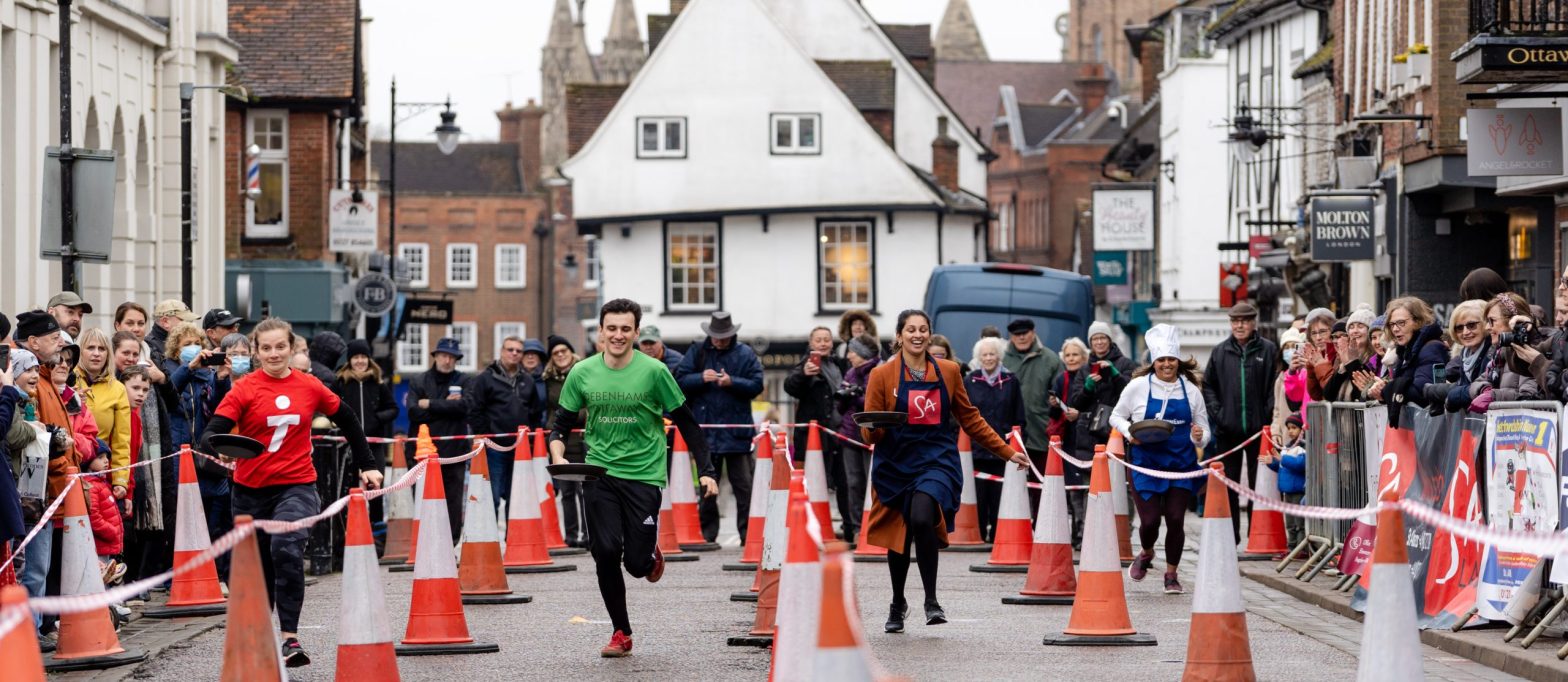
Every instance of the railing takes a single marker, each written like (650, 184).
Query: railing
(1518, 17)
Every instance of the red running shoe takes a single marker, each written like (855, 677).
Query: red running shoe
(620, 645)
(658, 566)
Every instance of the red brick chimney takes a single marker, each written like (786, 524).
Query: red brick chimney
(1092, 86)
(521, 127)
(944, 157)
(511, 121)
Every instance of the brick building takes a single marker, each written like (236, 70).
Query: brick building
(301, 63)
(1096, 33)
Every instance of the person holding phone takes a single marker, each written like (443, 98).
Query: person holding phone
(811, 382)
(192, 379)
(435, 399)
(275, 407)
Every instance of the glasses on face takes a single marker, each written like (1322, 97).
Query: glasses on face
(1468, 326)
(1396, 325)
(1562, 282)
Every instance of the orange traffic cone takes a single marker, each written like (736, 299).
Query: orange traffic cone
(19, 648)
(774, 543)
(866, 552)
(435, 613)
(1012, 544)
(683, 501)
(250, 644)
(397, 509)
(1266, 530)
(424, 448)
(1390, 640)
(1217, 646)
(195, 592)
(1121, 503)
(480, 577)
(364, 630)
(525, 534)
(667, 545)
(817, 482)
(841, 652)
(777, 513)
(1050, 578)
(1099, 615)
(800, 594)
(549, 516)
(87, 640)
(757, 512)
(966, 524)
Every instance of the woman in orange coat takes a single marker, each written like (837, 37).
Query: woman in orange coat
(916, 473)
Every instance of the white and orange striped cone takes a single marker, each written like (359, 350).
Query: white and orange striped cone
(1390, 639)
(775, 541)
(841, 652)
(1099, 616)
(866, 552)
(800, 593)
(19, 657)
(364, 629)
(436, 624)
(424, 448)
(1121, 500)
(1217, 643)
(87, 640)
(817, 481)
(683, 501)
(480, 577)
(1050, 580)
(966, 523)
(549, 515)
(525, 533)
(397, 509)
(195, 592)
(1266, 529)
(667, 545)
(250, 642)
(1013, 543)
(778, 511)
(757, 512)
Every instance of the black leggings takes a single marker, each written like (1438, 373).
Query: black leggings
(920, 533)
(1170, 505)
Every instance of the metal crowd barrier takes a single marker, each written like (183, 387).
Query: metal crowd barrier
(1337, 476)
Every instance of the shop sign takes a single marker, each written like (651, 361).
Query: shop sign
(1515, 141)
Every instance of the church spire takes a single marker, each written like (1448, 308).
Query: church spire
(958, 38)
(624, 52)
(561, 25)
(565, 61)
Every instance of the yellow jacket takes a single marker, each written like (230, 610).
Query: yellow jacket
(111, 407)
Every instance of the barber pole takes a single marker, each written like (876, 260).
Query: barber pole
(253, 172)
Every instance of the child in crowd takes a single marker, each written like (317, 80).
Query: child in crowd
(1291, 463)
(104, 513)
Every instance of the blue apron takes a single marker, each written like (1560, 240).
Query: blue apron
(921, 455)
(1175, 455)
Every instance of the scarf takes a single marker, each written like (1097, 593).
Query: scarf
(1469, 358)
(150, 478)
(993, 377)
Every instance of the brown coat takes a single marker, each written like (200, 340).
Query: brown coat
(51, 411)
(886, 526)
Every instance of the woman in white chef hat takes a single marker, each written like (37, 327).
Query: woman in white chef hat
(1161, 413)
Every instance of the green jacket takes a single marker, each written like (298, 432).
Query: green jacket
(1034, 370)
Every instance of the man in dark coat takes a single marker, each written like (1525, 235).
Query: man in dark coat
(720, 376)
(1238, 390)
(812, 383)
(502, 398)
(326, 349)
(436, 399)
(651, 343)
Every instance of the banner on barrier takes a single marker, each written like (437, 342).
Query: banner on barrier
(1560, 566)
(1432, 461)
(1521, 494)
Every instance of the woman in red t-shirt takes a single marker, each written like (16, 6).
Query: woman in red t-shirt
(275, 406)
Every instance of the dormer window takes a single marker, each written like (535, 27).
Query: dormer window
(661, 137)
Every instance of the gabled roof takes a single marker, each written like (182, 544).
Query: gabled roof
(1040, 120)
(973, 88)
(475, 168)
(870, 85)
(1238, 15)
(296, 49)
(914, 40)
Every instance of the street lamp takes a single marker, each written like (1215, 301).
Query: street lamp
(187, 222)
(447, 138)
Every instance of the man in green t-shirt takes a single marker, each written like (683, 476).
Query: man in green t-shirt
(626, 395)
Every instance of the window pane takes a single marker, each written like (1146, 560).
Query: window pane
(845, 277)
(672, 136)
(269, 206)
(650, 136)
(783, 136)
(808, 132)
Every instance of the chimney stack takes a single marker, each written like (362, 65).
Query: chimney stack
(522, 128)
(1092, 86)
(944, 157)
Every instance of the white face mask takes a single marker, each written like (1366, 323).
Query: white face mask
(1290, 355)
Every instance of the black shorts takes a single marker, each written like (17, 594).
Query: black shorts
(623, 521)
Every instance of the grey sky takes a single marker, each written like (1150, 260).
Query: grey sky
(486, 52)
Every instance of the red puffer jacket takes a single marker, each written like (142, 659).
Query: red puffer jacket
(108, 530)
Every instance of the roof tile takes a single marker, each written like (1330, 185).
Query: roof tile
(974, 89)
(474, 168)
(869, 84)
(295, 49)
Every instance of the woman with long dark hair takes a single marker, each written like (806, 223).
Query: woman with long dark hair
(916, 473)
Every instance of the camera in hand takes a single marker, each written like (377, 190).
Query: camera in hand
(214, 360)
(1523, 333)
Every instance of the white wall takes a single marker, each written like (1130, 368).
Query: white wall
(1192, 210)
(769, 280)
(726, 66)
(1282, 45)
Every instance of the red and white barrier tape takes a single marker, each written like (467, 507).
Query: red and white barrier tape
(1301, 510)
(459, 459)
(43, 522)
(993, 477)
(497, 446)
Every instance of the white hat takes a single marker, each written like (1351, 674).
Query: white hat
(1164, 341)
(1362, 316)
(1099, 328)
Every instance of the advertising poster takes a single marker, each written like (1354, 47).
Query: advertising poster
(1521, 495)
